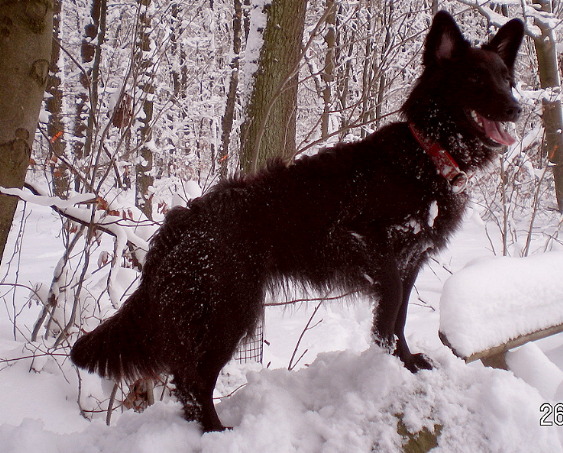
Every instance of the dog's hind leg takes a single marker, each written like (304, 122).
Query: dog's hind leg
(235, 302)
(195, 383)
(195, 386)
(195, 392)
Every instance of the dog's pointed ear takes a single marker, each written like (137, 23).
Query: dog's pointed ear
(444, 40)
(507, 41)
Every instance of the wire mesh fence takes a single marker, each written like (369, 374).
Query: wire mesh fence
(251, 348)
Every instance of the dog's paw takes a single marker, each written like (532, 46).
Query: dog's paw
(417, 362)
(216, 429)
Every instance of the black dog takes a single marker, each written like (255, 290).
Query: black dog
(360, 216)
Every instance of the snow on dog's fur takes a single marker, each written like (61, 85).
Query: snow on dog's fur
(361, 216)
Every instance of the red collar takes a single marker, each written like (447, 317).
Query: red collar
(443, 160)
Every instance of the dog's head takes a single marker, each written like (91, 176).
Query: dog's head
(474, 85)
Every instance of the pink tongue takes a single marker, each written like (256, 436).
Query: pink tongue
(496, 131)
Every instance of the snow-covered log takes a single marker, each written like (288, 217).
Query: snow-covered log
(496, 304)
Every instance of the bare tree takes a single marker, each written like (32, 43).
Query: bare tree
(54, 106)
(329, 67)
(552, 116)
(144, 165)
(87, 99)
(229, 114)
(269, 129)
(24, 70)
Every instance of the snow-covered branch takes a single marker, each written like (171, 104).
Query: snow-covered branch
(122, 228)
(46, 200)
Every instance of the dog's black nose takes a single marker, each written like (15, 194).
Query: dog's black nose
(513, 112)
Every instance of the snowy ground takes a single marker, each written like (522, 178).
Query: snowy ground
(344, 395)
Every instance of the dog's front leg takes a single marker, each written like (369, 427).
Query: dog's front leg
(413, 362)
(390, 295)
(391, 313)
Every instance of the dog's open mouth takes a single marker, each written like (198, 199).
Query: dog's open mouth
(495, 130)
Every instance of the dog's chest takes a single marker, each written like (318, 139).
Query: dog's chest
(427, 230)
(420, 222)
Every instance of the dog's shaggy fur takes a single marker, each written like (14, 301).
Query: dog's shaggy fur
(359, 216)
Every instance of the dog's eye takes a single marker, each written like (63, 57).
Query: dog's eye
(506, 77)
(475, 78)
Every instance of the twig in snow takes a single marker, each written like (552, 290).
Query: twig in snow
(110, 404)
(292, 365)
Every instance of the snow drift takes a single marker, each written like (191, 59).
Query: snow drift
(343, 402)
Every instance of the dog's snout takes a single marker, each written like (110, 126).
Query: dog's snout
(513, 111)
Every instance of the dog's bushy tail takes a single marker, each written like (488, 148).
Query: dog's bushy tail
(120, 347)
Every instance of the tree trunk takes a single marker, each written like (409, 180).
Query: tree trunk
(269, 129)
(54, 105)
(328, 70)
(387, 25)
(90, 49)
(99, 15)
(368, 73)
(229, 115)
(143, 168)
(345, 49)
(26, 29)
(551, 109)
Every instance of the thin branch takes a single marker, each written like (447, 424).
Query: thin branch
(292, 365)
(110, 404)
(316, 299)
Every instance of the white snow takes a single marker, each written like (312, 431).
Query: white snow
(433, 213)
(345, 395)
(529, 363)
(254, 41)
(45, 200)
(343, 402)
(193, 190)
